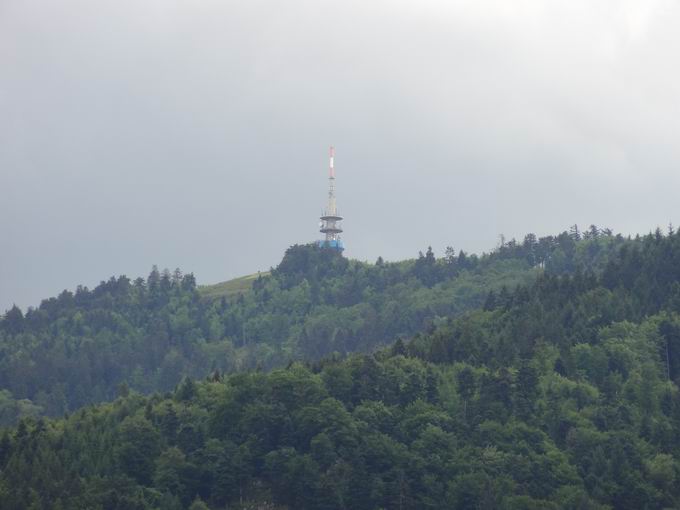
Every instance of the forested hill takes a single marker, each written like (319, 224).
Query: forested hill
(79, 347)
(560, 394)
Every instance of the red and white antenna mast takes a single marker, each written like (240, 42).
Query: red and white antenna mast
(330, 221)
(332, 209)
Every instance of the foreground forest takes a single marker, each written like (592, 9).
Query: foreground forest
(560, 393)
(80, 347)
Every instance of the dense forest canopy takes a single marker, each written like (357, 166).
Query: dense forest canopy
(560, 393)
(79, 347)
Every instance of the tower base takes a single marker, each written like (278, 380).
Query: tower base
(331, 244)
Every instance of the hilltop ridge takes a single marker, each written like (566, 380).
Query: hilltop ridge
(561, 393)
(80, 347)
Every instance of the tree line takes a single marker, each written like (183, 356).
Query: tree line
(560, 393)
(77, 348)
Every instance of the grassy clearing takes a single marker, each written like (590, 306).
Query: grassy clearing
(229, 288)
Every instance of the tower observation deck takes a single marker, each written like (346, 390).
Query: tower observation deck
(330, 220)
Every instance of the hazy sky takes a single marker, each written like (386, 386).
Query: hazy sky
(194, 133)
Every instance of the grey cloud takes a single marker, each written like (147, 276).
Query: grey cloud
(194, 134)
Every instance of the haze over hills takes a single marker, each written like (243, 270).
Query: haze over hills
(557, 392)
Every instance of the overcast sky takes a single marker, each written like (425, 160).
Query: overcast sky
(194, 133)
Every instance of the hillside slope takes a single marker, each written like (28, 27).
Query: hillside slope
(230, 288)
(560, 394)
(79, 347)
